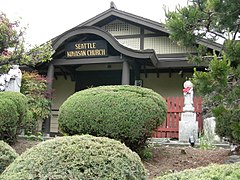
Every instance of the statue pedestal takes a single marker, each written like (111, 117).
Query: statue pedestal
(188, 108)
(188, 126)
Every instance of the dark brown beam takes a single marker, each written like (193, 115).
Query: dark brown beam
(112, 59)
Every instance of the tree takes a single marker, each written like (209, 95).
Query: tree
(13, 51)
(12, 46)
(220, 83)
(34, 87)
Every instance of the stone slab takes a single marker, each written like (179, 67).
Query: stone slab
(188, 126)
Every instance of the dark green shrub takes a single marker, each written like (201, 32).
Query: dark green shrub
(125, 113)
(76, 157)
(13, 108)
(214, 172)
(19, 100)
(7, 155)
(146, 153)
(8, 120)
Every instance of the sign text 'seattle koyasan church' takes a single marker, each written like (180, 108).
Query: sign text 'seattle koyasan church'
(83, 49)
(116, 47)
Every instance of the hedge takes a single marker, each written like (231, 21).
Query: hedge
(125, 113)
(19, 100)
(13, 109)
(76, 157)
(214, 172)
(7, 155)
(8, 120)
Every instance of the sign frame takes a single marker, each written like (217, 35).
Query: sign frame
(86, 49)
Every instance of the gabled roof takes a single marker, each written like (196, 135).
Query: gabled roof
(127, 16)
(113, 12)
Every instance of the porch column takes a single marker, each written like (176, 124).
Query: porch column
(125, 73)
(50, 77)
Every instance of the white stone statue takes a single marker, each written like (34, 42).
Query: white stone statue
(13, 79)
(188, 96)
(2, 82)
(188, 126)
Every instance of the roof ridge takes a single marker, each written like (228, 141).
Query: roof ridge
(143, 18)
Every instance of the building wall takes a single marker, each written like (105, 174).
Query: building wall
(119, 28)
(62, 89)
(133, 43)
(129, 36)
(163, 45)
(165, 85)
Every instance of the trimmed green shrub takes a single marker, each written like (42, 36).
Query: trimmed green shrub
(76, 157)
(125, 113)
(7, 155)
(19, 100)
(13, 108)
(214, 172)
(8, 120)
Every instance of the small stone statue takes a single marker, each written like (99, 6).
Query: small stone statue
(13, 79)
(188, 96)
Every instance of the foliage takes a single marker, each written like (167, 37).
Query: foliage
(204, 19)
(7, 155)
(8, 121)
(12, 50)
(19, 100)
(76, 157)
(34, 87)
(125, 113)
(220, 83)
(206, 142)
(11, 38)
(146, 153)
(33, 137)
(220, 172)
(13, 108)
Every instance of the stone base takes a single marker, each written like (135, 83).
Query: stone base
(188, 108)
(188, 126)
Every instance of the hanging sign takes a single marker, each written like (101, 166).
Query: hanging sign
(85, 49)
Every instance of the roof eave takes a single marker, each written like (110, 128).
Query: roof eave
(210, 44)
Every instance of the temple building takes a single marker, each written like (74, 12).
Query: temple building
(113, 48)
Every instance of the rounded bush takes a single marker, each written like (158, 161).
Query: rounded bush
(220, 172)
(13, 108)
(77, 157)
(125, 113)
(19, 100)
(7, 155)
(8, 120)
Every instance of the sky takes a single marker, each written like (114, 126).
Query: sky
(46, 19)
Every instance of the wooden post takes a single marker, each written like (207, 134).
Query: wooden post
(50, 77)
(125, 73)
